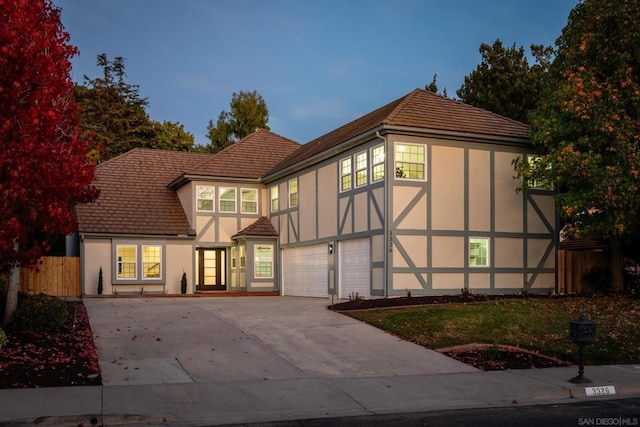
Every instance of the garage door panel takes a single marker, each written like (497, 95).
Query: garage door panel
(305, 271)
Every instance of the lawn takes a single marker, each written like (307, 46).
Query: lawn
(538, 324)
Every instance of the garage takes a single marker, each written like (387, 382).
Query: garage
(305, 271)
(355, 268)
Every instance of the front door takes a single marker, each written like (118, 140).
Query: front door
(212, 273)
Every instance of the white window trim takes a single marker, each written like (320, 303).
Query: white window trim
(488, 240)
(254, 190)
(213, 198)
(274, 199)
(374, 164)
(221, 190)
(118, 262)
(342, 175)
(365, 169)
(142, 263)
(255, 262)
(297, 193)
(395, 161)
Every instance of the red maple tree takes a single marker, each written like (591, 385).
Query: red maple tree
(44, 168)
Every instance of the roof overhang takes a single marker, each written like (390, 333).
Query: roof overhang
(94, 235)
(186, 178)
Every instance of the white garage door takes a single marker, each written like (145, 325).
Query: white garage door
(355, 268)
(305, 271)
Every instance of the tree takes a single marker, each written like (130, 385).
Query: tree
(44, 168)
(112, 112)
(171, 136)
(588, 125)
(433, 87)
(504, 82)
(248, 113)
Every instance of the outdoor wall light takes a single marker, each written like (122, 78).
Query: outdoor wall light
(330, 248)
(582, 332)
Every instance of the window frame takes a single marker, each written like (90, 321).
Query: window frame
(293, 195)
(143, 276)
(423, 163)
(269, 263)
(346, 174)
(359, 168)
(375, 163)
(476, 239)
(212, 199)
(223, 190)
(119, 264)
(275, 201)
(243, 201)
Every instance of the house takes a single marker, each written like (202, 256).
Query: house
(417, 196)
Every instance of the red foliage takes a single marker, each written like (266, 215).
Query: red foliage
(44, 169)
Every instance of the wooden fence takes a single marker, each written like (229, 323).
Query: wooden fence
(58, 276)
(572, 266)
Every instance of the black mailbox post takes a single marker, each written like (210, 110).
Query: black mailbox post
(582, 332)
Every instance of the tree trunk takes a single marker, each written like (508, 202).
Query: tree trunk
(12, 296)
(617, 266)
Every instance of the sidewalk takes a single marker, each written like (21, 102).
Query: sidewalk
(249, 360)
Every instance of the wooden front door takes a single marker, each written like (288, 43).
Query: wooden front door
(212, 271)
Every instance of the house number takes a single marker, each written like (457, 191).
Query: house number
(390, 241)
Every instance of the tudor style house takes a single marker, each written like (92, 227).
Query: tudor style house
(417, 196)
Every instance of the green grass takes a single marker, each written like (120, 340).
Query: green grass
(538, 324)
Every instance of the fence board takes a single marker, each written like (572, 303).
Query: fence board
(57, 276)
(572, 265)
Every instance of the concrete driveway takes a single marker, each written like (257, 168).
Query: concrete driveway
(187, 340)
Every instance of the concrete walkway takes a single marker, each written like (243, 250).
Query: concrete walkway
(215, 361)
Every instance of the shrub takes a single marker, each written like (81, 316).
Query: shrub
(41, 313)
(100, 284)
(3, 338)
(183, 283)
(597, 279)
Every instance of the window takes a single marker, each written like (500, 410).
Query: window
(204, 197)
(127, 261)
(377, 163)
(151, 262)
(361, 169)
(264, 262)
(242, 254)
(293, 192)
(234, 256)
(478, 252)
(345, 174)
(275, 201)
(227, 200)
(410, 161)
(249, 200)
(137, 263)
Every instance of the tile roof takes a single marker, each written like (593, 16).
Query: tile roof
(249, 158)
(418, 109)
(261, 228)
(134, 197)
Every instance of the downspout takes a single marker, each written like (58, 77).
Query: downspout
(386, 218)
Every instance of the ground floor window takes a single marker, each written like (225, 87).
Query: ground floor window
(137, 263)
(478, 252)
(264, 261)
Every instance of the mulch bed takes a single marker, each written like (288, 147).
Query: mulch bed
(64, 358)
(482, 356)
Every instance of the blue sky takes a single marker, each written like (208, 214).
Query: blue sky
(318, 63)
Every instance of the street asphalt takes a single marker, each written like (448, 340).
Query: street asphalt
(217, 361)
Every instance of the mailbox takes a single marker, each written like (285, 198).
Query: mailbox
(582, 332)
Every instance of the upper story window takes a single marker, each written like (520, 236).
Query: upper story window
(249, 200)
(345, 174)
(205, 195)
(275, 201)
(377, 163)
(410, 161)
(361, 169)
(227, 200)
(293, 192)
(478, 252)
